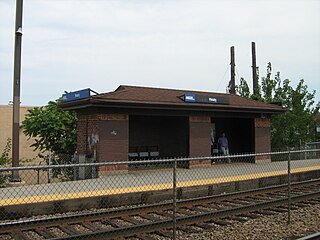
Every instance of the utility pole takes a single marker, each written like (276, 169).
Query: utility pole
(254, 69)
(232, 83)
(16, 91)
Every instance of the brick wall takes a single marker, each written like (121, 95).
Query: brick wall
(199, 139)
(112, 132)
(87, 125)
(262, 138)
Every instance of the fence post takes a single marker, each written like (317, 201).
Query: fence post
(50, 169)
(174, 190)
(305, 152)
(75, 169)
(94, 172)
(289, 187)
(38, 177)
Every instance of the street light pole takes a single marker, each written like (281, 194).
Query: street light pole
(16, 90)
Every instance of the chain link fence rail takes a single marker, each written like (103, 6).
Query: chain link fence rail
(50, 189)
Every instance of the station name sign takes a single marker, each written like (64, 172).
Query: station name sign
(197, 98)
(77, 95)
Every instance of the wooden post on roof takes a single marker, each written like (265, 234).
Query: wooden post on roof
(232, 83)
(254, 69)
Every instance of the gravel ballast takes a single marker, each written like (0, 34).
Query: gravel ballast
(304, 221)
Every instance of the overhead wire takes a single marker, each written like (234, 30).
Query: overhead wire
(237, 77)
(223, 77)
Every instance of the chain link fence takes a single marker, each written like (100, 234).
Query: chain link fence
(84, 184)
(310, 146)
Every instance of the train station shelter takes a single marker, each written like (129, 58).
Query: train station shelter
(142, 122)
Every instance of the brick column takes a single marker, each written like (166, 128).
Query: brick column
(113, 140)
(86, 126)
(199, 139)
(262, 138)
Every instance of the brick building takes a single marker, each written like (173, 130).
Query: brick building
(168, 123)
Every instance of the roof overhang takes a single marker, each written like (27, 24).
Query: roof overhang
(116, 104)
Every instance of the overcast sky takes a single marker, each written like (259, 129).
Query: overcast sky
(70, 45)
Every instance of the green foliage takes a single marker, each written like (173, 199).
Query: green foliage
(243, 89)
(297, 125)
(5, 160)
(61, 159)
(53, 128)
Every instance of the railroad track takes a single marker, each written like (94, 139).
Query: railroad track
(142, 222)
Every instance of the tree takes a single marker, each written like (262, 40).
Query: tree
(5, 160)
(298, 124)
(268, 85)
(243, 89)
(54, 130)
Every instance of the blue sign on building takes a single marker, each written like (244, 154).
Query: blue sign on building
(73, 96)
(196, 98)
(190, 98)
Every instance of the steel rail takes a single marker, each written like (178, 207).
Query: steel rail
(127, 231)
(311, 237)
(74, 218)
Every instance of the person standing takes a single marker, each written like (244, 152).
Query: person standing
(212, 140)
(224, 145)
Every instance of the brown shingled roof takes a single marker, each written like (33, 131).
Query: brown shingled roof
(134, 95)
